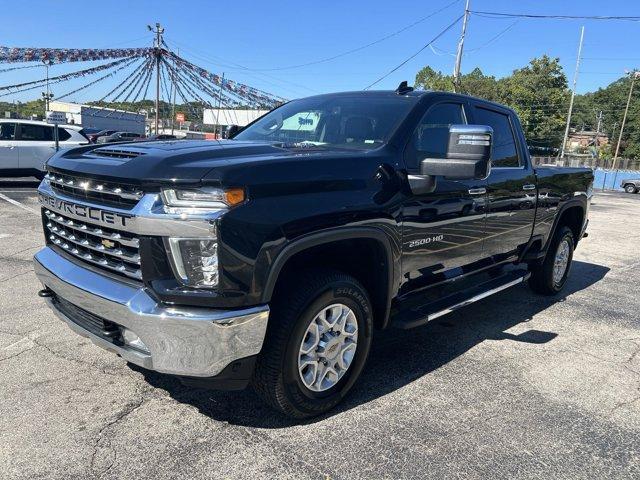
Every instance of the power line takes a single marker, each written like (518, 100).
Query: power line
(494, 38)
(362, 47)
(442, 32)
(554, 17)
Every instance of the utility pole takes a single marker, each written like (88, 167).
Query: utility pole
(219, 105)
(634, 75)
(595, 142)
(573, 93)
(47, 96)
(456, 70)
(613, 134)
(158, 54)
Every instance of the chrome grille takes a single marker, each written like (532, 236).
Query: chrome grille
(106, 193)
(107, 248)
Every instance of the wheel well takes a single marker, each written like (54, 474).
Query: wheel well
(364, 258)
(573, 217)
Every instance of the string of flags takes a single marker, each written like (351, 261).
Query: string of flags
(189, 80)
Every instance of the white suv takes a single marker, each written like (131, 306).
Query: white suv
(25, 145)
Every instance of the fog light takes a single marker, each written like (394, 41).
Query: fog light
(132, 340)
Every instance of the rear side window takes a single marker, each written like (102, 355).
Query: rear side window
(505, 152)
(431, 137)
(36, 132)
(63, 134)
(7, 131)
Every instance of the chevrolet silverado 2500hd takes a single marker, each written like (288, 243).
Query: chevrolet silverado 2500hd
(273, 258)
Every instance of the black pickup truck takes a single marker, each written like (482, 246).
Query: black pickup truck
(273, 258)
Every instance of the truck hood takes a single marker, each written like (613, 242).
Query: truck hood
(182, 161)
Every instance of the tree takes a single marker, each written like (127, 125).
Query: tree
(540, 95)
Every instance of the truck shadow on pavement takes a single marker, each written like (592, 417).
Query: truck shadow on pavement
(398, 357)
(19, 183)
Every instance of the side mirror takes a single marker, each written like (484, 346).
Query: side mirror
(468, 154)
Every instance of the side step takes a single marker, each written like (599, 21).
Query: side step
(419, 315)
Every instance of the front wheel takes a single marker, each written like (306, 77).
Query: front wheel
(317, 343)
(549, 277)
(629, 188)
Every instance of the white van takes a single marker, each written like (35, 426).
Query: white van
(26, 144)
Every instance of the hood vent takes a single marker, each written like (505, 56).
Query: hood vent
(113, 153)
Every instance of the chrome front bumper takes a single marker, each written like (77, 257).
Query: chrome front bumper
(187, 341)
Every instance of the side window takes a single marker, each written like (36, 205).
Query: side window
(505, 152)
(7, 131)
(63, 134)
(430, 138)
(36, 132)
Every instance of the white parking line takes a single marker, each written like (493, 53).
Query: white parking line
(18, 204)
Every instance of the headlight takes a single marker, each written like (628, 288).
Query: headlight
(206, 197)
(195, 261)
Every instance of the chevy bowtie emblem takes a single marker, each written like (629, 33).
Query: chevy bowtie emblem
(108, 243)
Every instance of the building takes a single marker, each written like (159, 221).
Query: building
(228, 116)
(100, 118)
(585, 138)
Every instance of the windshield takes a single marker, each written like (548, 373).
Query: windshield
(361, 122)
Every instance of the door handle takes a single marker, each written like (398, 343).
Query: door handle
(477, 191)
(529, 186)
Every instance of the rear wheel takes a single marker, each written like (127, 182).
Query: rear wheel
(549, 277)
(630, 188)
(317, 343)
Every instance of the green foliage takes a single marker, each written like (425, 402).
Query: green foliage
(535, 92)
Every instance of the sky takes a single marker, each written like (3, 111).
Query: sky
(243, 38)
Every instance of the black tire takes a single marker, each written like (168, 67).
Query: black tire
(276, 378)
(542, 274)
(630, 188)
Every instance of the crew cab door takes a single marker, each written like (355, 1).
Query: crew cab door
(9, 154)
(512, 192)
(36, 144)
(442, 231)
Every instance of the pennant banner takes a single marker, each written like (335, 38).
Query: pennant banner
(241, 90)
(62, 55)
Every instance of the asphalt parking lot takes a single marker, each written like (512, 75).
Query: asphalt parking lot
(516, 386)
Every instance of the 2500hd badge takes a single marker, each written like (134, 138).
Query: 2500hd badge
(82, 211)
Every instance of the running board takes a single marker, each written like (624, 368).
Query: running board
(422, 314)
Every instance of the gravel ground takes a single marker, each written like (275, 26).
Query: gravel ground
(516, 386)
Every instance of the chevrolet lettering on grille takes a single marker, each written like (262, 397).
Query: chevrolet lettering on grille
(84, 212)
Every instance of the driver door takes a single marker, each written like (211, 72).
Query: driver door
(442, 231)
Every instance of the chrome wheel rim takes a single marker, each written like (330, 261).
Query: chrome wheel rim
(328, 347)
(561, 261)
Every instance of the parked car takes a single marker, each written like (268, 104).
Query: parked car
(631, 185)
(93, 137)
(158, 137)
(274, 258)
(25, 145)
(120, 137)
